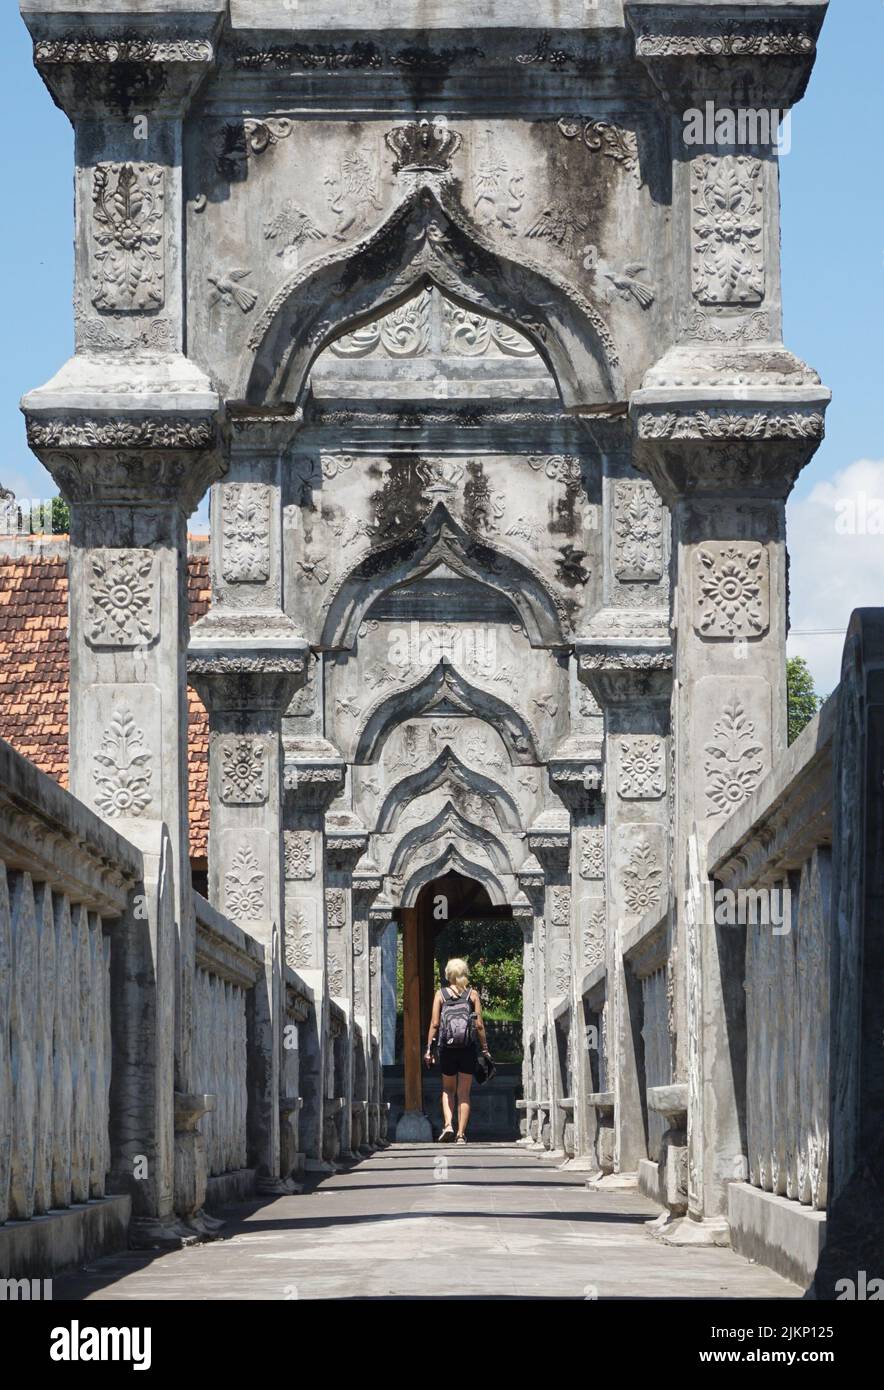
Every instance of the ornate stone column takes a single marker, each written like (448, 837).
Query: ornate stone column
(723, 424)
(345, 842)
(247, 659)
(129, 430)
(549, 838)
(314, 775)
(632, 682)
(532, 881)
(575, 773)
(367, 882)
(380, 915)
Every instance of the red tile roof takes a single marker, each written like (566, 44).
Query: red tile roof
(35, 674)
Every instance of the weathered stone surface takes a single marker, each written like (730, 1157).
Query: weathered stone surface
(499, 427)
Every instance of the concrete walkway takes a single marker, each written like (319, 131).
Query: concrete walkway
(419, 1221)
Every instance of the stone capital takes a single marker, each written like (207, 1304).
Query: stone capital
(314, 773)
(251, 675)
(119, 62)
(746, 441)
(620, 673)
(154, 438)
(759, 54)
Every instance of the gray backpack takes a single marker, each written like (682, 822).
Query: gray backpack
(457, 1025)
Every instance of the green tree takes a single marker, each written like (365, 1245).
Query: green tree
(803, 701)
(61, 517)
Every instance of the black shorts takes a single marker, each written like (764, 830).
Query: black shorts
(457, 1059)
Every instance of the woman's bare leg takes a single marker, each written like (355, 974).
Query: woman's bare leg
(464, 1082)
(449, 1087)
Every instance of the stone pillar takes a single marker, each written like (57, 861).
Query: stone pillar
(632, 682)
(345, 842)
(129, 430)
(367, 883)
(247, 658)
(245, 695)
(314, 775)
(729, 713)
(723, 423)
(549, 839)
(575, 773)
(380, 925)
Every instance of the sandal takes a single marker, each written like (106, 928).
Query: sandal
(447, 1136)
(461, 1139)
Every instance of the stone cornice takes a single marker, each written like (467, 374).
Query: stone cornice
(112, 62)
(757, 53)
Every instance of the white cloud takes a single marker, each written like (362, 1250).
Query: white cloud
(836, 545)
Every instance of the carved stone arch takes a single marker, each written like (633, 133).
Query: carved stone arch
(446, 824)
(452, 858)
(427, 240)
(448, 767)
(438, 540)
(445, 691)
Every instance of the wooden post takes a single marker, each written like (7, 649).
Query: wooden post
(411, 1005)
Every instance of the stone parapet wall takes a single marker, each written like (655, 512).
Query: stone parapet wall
(65, 877)
(772, 868)
(228, 963)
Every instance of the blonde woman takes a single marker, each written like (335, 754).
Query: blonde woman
(457, 1020)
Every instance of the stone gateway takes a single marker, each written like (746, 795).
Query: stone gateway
(481, 360)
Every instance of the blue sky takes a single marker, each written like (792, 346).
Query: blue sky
(833, 292)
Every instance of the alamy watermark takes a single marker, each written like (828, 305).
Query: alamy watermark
(733, 126)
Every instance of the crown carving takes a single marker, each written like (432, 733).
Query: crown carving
(424, 144)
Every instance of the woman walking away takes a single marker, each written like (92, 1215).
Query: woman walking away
(457, 1019)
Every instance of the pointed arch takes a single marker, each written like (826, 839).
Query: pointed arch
(439, 539)
(449, 823)
(447, 767)
(446, 691)
(452, 858)
(427, 240)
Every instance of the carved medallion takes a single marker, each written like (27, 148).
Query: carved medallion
(243, 771)
(638, 532)
(734, 764)
(244, 887)
(128, 252)
(123, 774)
(245, 528)
(560, 907)
(642, 880)
(593, 936)
(335, 907)
(592, 852)
(299, 936)
(122, 598)
(300, 859)
(731, 589)
(728, 229)
(641, 768)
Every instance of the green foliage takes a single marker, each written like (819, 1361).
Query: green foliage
(803, 701)
(61, 517)
(493, 952)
